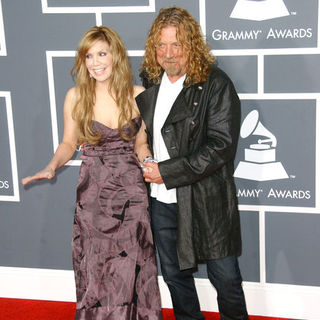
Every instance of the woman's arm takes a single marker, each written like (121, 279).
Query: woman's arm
(141, 146)
(66, 148)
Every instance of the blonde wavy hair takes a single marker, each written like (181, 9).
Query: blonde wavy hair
(120, 84)
(199, 59)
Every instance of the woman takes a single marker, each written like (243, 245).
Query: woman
(112, 248)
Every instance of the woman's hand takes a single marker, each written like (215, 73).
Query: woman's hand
(46, 173)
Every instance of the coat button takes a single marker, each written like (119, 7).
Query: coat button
(195, 103)
(167, 130)
(173, 147)
(192, 123)
(200, 87)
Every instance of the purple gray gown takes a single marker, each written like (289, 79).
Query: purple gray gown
(112, 249)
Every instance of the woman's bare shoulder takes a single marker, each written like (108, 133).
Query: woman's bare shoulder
(72, 93)
(71, 99)
(137, 90)
(72, 96)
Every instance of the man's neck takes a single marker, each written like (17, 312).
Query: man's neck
(173, 79)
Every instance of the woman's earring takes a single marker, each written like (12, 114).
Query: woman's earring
(90, 75)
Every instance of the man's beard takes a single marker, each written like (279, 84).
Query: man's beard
(172, 70)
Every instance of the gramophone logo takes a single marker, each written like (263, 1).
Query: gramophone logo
(259, 10)
(260, 158)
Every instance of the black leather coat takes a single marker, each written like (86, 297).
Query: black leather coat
(201, 134)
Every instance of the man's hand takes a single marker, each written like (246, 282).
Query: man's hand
(151, 173)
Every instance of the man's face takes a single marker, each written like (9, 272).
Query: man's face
(170, 55)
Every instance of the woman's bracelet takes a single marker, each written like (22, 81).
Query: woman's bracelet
(149, 159)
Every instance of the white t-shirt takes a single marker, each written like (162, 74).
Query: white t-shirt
(168, 93)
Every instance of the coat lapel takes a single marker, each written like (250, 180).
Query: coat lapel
(180, 109)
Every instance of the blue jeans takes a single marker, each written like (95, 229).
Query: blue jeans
(224, 274)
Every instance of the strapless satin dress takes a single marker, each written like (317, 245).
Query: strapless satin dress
(112, 248)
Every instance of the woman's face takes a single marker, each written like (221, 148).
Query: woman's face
(99, 61)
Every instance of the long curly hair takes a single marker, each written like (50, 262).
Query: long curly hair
(120, 84)
(199, 58)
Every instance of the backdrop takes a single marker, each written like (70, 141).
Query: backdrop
(269, 48)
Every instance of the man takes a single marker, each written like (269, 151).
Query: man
(192, 116)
